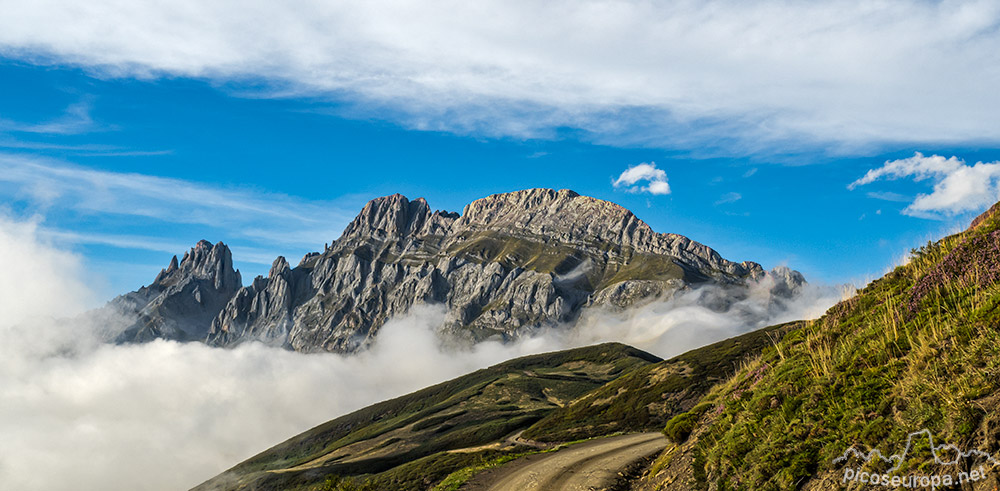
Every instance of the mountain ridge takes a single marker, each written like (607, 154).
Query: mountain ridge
(511, 262)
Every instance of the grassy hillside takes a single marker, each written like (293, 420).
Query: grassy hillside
(915, 349)
(647, 397)
(416, 440)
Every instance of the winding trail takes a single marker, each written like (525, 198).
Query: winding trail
(589, 465)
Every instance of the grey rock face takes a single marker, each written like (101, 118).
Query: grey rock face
(264, 308)
(183, 300)
(510, 262)
(786, 281)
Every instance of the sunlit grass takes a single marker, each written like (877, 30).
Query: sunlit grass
(915, 349)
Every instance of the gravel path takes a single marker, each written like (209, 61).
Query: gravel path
(589, 465)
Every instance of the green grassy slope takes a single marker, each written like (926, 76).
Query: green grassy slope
(415, 441)
(918, 348)
(410, 442)
(647, 397)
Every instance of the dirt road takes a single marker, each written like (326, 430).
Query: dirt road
(584, 466)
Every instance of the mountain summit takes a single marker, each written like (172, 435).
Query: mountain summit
(183, 299)
(509, 262)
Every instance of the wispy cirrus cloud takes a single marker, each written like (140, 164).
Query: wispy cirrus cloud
(266, 224)
(738, 74)
(958, 187)
(122, 241)
(74, 121)
(48, 181)
(655, 179)
(890, 196)
(83, 150)
(34, 145)
(727, 198)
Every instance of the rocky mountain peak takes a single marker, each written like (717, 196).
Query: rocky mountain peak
(396, 217)
(562, 214)
(183, 299)
(555, 214)
(203, 262)
(279, 267)
(164, 273)
(389, 217)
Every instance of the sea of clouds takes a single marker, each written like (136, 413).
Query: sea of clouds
(77, 413)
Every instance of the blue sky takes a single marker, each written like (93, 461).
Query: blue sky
(129, 137)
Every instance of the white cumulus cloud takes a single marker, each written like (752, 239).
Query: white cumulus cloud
(958, 186)
(655, 179)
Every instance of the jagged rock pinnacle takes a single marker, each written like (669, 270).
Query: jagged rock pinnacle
(184, 298)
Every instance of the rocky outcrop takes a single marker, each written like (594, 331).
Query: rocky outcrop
(265, 307)
(182, 301)
(511, 262)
